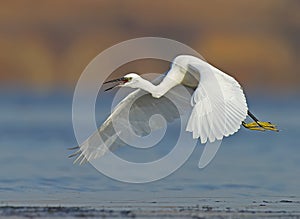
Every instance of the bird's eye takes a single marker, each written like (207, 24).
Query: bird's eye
(129, 79)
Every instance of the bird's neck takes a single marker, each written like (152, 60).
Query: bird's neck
(157, 90)
(146, 86)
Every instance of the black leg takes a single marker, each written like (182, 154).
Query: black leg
(252, 116)
(263, 125)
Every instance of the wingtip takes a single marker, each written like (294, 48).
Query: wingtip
(74, 154)
(73, 148)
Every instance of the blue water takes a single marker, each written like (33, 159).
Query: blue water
(36, 130)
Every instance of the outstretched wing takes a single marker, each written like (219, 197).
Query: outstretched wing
(134, 111)
(219, 104)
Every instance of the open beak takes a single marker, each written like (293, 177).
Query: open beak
(119, 81)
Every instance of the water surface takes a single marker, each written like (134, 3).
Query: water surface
(36, 131)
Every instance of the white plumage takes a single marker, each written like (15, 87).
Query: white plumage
(217, 105)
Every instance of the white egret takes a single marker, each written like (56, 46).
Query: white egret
(214, 95)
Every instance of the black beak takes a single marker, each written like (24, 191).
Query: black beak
(119, 81)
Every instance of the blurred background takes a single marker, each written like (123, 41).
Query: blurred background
(45, 46)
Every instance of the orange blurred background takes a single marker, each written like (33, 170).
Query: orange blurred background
(47, 44)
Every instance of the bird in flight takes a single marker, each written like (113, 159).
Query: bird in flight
(217, 106)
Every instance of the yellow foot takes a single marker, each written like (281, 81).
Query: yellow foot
(260, 126)
(253, 126)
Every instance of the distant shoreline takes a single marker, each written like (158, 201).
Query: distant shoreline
(142, 212)
(213, 209)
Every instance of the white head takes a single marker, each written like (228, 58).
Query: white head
(128, 80)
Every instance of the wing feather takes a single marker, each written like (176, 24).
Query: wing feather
(141, 106)
(219, 104)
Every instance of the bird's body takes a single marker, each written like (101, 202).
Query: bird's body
(217, 106)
